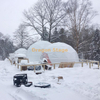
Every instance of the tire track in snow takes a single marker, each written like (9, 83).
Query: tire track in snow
(21, 94)
(4, 94)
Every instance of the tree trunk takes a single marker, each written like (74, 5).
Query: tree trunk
(50, 33)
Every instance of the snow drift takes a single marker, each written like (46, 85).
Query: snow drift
(79, 83)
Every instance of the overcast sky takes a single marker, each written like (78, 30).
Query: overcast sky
(11, 13)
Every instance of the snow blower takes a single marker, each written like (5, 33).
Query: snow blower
(21, 79)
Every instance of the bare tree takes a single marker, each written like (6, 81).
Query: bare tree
(54, 13)
(79, 15)
(22, 38)
(6, 46)
(35, 17)
(46, 13)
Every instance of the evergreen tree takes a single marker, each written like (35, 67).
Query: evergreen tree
(45, 35)
(62, 35)
(6, 46)
(95, 46)
(55, 36)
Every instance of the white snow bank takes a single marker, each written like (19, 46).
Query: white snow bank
(20, 55)
(79, 83)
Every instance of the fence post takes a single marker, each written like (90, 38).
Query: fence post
(34, 68)
(54, 66)
(92, 63)
(21, 68)
(89, 64)
(63, 65)
(11, 62)
(82, 64)
(98, 64)
(44, 67)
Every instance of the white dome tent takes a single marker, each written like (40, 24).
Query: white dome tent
(34, 53)
(18, 53)
(60, 52)
(21, 51)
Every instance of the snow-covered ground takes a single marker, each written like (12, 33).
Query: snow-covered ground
(79, 83)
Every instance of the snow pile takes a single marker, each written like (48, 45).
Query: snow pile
(33, 53)
(79, 83)
(20, 55)
(60, 52)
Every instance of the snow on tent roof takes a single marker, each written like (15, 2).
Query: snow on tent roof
(21, 51)
(20, 55)
(35, 55)
(60, 52)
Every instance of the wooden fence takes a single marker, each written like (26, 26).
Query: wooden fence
(90, 62)
(82, 61)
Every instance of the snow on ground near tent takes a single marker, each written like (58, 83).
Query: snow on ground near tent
(79, 83)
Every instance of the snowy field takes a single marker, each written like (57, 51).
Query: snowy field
(78, 84)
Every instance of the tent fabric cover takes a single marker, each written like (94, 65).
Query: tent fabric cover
(21, 51)
(57, 57)
(35, 56)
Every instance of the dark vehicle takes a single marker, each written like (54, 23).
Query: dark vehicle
(32, 68)
(21, 79)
